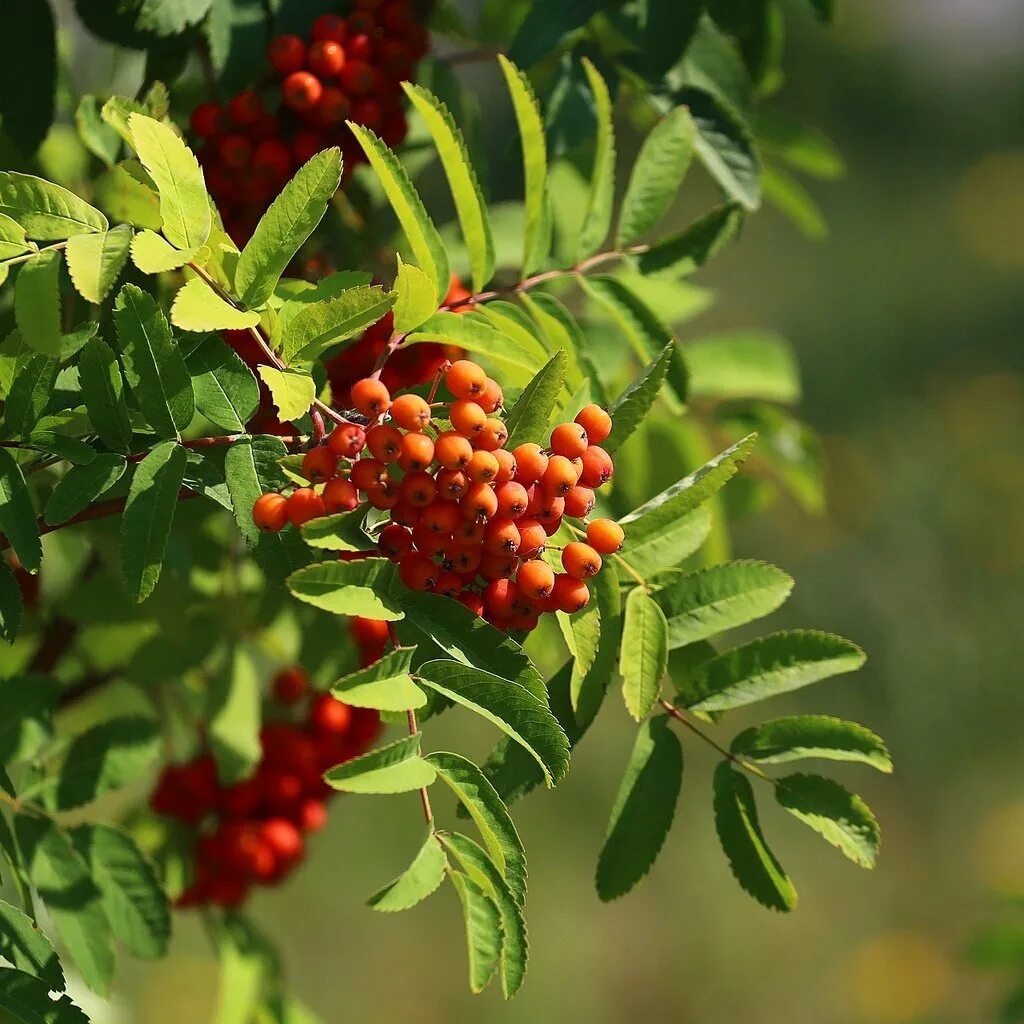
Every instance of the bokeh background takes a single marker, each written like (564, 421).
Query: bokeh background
(907, 324)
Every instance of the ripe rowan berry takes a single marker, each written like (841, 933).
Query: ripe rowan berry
(306, 144)
(347, 440)
(368, 632)
(331, 108)
(235, 151)
(384, 442)
(246, 108)
(270, 512)
(360, 22)
(506, 465)
(418, 489)
(205, 120)
(501, 537)
(496, 567)
(274, 158)
(340, 496)
(560, 477)
(370, 397)
(569, 439)
(329, 27)
(499, 597)
(418, 572)
(395, 541)
(326, 57)
(512, 500)
(328, 716)
(469, 531)
(605, 536)
(410, 412)
(305, 504)
(569, 594)
(580, 560)
(357, 77)
(532, 538)
(382, 495)
(405, 514)
(479, 503)
(395, 16)
(531, 463)
(441, 517)
(579, 502)
(290, 684)
(492, 397)
(465, 379)
(417, 452)
(473, 601)
(535, 579)
(493, 436)
(448, 585)
(483, 467)
(452, 484)
(312, 815)
(283, 838)
(319, 464)
(597, 467)
(464, 558)
(367, 473)
(550, 513)
(596, 422)
(428, 542)
(467, 417)
(367, 111)
(286, 54)
(301, 91)
(452, 450)
(360, 46)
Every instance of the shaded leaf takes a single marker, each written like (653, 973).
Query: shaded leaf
(421, 879)
(483, 930)
(644, 656)
(633, 405)
(103, 392)
(25, 999)
(28, 76)
(28, 702)
(23, 943)
(37, 307)
(235, 705)
(546, 24)
(47, 212)
(385, 684)
(226, 392)
(18, 514)
(597, 218)
(82, 485)
(530, 418)
(684, 252)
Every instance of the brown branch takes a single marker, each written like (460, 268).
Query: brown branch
(414, 729)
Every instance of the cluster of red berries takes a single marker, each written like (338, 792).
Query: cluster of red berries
(469, 518)
(350, 69)
(251, 833)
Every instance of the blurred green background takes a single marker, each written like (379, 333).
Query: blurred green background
(907, 322)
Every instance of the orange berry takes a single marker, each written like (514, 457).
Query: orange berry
(580, 560)
(579, 502)
(270, 512)
(512, 500)
(418, 572)
(501, 537)
(533, 538)
(479, 503)
(465, 379)
(384, 442)
(367, 473)
(483, 467)
(597, 467)
(451, 483)
(319, 464)
(469, 532)
(305, 504)
(536, 579)
(495, 567)
(347, 440)
(499, 597)
(441, 517)
(549, 515)
(474, 602)
(493, 436)
(429, 543)
(395, 542)
(569, 439)
(605, 536)
(596, 422)
(506, 465)
(467, 417)
(452, 450)
(383, 495)
(464, 558)
(418, 489)
(417, 452)
(368, 632)
(340, 496)
(405, 514)
(370, 397)
(411, 412)
(560, 477)
(448, 585)
(492, 397)
(326, 57)
(569, 594)
(531, 463)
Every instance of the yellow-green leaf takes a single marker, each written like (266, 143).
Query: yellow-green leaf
(292, 391)
(95, 261)
(197, 307)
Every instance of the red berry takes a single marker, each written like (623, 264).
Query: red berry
(501, 537)
(568, 594)
(319, 464)
(368, 473)
(332, 108)
(418, 572)
(479, 503)
(290, 684)
(395, 541)
(329, 27)
(312, 815)
(536, 579)
(347, 440)
(286, 54)
(532, 538)
(579, 502)
(358, 78)
(326, 58)
(301, 91)
(367, 111)
(205, 120)
(328, 716)
(531, 463)
(597, 467)
(384, 442)
(512, 500)
(466, 379)
(305, 504)
(246, 108)
(369, 632)
(283, 838)
(340, 496)
(235, 151)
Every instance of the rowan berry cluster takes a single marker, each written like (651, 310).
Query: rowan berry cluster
(349, 69)
(469, 519)
(252, 832)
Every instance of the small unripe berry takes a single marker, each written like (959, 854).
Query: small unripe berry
(410, 412)
(305, 504)
(417, 453)
(466, 379)
(452, 450)
(579, 502)
(347, 440)
(536, 579)
(597, 467)
(467, 417)
(370, 397)
(596, 422)
(569, 439)
(605, 536)
(580, 560)
(340, 496)
(301, 91)
(270, 512)
(531, 463)
(483, 467)
(319, 464)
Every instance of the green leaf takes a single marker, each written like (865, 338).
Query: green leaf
(424, 241)
(98, 137)
(95, 261)
(598, 216)
(342, 531)
(633, 405)
(514, 709)
(226, 392)
(395, 768)
(470, 205)
(833, 812)
(595, 645)
(290, 220)
(644, 808)
(536, 236)
(153, 254)
(70, 449)
(82, 485)
(490, 816)
(292, 391)
(643, 659)
(475, 333)
(483, 930)
(184, 202)
(47, 212)
(684, 252)
(318, 326)
(10, 605)
(103, 392)
(13, 242)
(385, 685)
(481, 869)
(146, 524)
(657, 175)
(153, 364)
(769, 666)
(704, 603)
(37, 307)
(251, 469)
(26, 1000)
(248, 964)
(421, 879)
(106, 757)
(794, 737)
(743, 364)
(415, 301)
(302, 293)
(28, 702)
(62, 880)
(793, 201)
(739, 832)
(170, 18)
(130, 892)
(197, 307)
(17, 513)
(30, 393)
(546, 25)
(530, 418)
(234, 718)
(24, 945)
(365, 587)
(126, 194)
